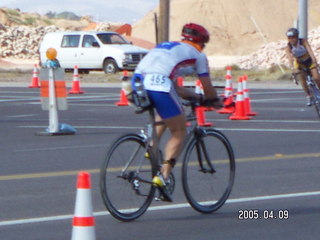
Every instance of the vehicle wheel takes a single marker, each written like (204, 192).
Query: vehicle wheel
(110, 66)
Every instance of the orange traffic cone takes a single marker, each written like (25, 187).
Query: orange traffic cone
(123, 99)
(35, 78)
(199, 88)
(229, 68)
(247, 104)
(75, 82)
(83, 220)
(123, 94)
(228, 95)
(239, 113)
(201, 117)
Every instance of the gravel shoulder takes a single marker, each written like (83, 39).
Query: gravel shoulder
(18, 73)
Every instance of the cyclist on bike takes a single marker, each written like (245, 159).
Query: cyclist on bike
(301, 57)
(159, 70)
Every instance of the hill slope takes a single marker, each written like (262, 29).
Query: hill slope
(231, 22)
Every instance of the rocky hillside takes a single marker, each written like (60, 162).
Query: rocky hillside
(14, 18)
(231, 23)
(271, 54)
(236, 26)
(21, 33)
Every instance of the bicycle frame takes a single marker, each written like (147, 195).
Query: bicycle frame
(152, 140)
(143, 161)
(313, 89)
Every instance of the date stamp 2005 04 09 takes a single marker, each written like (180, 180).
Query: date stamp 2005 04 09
(253, 214)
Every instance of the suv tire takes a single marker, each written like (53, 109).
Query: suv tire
(110, 66)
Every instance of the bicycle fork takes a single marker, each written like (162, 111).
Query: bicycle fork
(203, 157)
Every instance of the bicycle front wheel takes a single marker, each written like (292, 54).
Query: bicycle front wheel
(208, 171)
(315, 96)
(125, 178)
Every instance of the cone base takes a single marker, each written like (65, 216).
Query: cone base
(75, 92)
(239, 118)
(252, 114)
(226, 111)
(122, 104)
(34, 84)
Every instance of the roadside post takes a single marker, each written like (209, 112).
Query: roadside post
(53, 95)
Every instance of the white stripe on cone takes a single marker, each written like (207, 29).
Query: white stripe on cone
(83, 221)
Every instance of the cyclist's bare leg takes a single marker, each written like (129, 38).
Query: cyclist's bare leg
(159, 129)
(177, 127)
(302, 79)
(315, 76)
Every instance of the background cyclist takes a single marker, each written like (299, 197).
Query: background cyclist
(159, 70)
(300, 57)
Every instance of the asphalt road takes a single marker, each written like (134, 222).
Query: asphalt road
(277, 154)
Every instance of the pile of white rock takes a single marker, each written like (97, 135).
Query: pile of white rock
(22, 41)
(273, 53)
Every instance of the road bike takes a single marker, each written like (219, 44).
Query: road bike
(313, 89)
(207, 169)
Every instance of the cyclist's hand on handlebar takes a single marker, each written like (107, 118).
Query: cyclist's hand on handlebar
(217, 103)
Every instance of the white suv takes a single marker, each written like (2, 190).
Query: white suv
(107, 51)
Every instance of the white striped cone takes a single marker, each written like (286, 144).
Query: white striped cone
(239, 113)
(229, 68)
(35, 78)
(199, 88)
(247, 103)
(228, 95)
(83, 220)
(228, 91)
(75, 82)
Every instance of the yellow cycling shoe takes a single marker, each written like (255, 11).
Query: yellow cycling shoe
(159, 182)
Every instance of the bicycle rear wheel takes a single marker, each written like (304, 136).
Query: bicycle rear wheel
(208, 171)
(315, 96)
(125, 178)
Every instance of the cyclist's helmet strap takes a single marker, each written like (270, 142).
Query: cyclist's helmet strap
(195, 33)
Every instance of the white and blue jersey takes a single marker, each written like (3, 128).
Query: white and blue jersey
(161, 66)
(173, 59)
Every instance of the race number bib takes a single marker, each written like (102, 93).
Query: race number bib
(157, 82)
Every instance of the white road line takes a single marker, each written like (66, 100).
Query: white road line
(89, 127)
(222, 129)
(270, 121)
(21, 116)
(280, 100)
(157, 208)
(274, 92)
(269, 130)
(20, 100)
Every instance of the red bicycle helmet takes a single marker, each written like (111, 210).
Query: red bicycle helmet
(195, 33)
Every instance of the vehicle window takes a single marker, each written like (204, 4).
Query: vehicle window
(70, 41)
(88, 41)
(112, 38)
